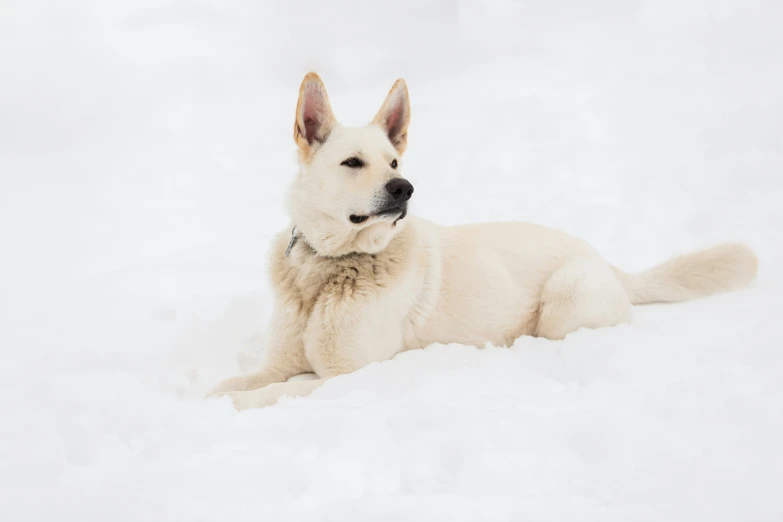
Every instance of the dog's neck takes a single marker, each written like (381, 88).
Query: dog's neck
(340, 245)
(298, 236)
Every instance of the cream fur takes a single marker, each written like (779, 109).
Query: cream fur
(350, 294)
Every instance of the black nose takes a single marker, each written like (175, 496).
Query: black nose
(399, 189)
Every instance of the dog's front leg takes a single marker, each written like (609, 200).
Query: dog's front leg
(343, 334)
(269, 395)
(264, 376)
(283, 357)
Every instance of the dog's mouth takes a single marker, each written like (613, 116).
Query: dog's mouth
(401, 211)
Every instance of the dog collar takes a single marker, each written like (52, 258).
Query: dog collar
(294, 237)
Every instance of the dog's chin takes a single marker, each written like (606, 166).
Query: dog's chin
(393, 214)
(376, 232)
(376, 237)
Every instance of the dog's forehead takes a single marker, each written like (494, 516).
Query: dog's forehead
(369, 141)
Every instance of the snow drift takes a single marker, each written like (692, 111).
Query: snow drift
(145, 149)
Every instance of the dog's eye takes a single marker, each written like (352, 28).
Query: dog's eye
(394, 164)
(354, 163)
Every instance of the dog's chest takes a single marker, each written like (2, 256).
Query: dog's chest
(303, 278)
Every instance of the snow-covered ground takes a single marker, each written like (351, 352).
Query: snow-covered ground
(145, 148)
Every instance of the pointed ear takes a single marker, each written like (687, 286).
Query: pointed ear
(395, 114)
(314, 117)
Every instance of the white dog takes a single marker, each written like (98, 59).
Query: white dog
(359, 280)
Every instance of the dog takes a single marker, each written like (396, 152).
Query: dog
(358, 279)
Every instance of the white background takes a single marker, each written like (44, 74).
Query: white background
(145, 148)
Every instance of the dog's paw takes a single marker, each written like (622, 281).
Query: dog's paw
(245, 400)
(229, 385)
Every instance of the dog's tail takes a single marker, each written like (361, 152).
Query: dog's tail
(698, 274)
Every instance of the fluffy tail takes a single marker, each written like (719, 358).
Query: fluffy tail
(693, 275)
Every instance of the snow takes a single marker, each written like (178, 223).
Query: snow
(145, 148)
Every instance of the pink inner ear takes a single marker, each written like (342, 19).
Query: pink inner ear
(313, 113)
(394, 118)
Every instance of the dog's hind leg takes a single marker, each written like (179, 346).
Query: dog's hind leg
(583, 293)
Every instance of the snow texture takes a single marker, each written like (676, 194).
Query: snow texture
(145, 149)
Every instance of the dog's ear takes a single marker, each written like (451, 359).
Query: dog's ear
(395, 114)
(314, 117)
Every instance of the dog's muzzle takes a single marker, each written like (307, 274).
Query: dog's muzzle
(398, 192)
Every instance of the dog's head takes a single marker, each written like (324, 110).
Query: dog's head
(349, 195)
